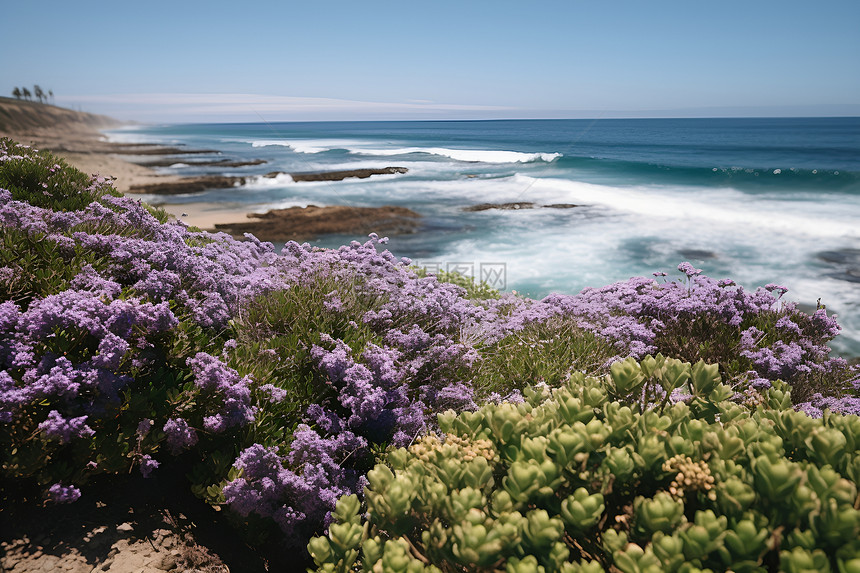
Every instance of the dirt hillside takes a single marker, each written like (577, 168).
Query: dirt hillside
(19, 117)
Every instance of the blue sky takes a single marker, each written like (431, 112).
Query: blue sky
(282, 60)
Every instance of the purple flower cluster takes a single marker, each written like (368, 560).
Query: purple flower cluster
(211, 280)
(180, 436)
(387, 396)
(846, 405)
(224, 390)
(59, 493)
(402, 298)
(147, 465)
(689, 270)
(797, 346)
(635, 315)
(94, 313)
(297, 500)
(69, 349)
(58, 428)
(373, 403)
(272, 393)
(211, 275)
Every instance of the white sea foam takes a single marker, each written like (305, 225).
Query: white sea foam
(279, 180)
(633, 231)
(269, 143)
(720, 206)
(286, 204)
(466, 155)
(369, 148)
(295, 146)
(306, 145)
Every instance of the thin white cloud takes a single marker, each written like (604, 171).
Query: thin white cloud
(191, 106)
(195, 107)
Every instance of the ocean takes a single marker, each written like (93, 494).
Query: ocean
(757, 200)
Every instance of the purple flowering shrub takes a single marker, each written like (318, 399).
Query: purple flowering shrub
(73, 365)
(109, 346)
(274, 381)
(32, 264)
(755, 337)
(97, 381)
(817, 404)
(211, 276)
(273, 338)
(104, 316)
(351, 381)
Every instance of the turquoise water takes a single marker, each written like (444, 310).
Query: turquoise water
(757, 200)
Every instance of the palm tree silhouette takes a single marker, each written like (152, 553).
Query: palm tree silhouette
(16, 93)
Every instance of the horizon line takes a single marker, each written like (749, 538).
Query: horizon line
(133, 123)
(235, 116)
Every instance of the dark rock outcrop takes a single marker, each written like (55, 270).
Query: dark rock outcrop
(341, 175)
(561, 206)
(189, 185)
(697, 254)
(212, 163)
(503, 206)
(303, 223)
(846, 261)
(518, 205)
(204, 182)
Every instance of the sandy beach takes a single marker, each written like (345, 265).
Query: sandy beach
(206, 215)
(93, 158)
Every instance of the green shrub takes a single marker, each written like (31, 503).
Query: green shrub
(274, 337)
(39, 265)
(44, 180)
(708, 338)
(475, 290)
(609, 474)
(545, 351)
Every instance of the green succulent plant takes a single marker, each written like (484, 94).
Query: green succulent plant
(596, 476)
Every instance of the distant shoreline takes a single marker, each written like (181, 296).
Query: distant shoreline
(79, 139)
(76, 137)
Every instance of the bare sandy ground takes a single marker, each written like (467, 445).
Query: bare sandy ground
(112, 548)
(123, 525)
(206, 215)
(126, 173)
(199, 214)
